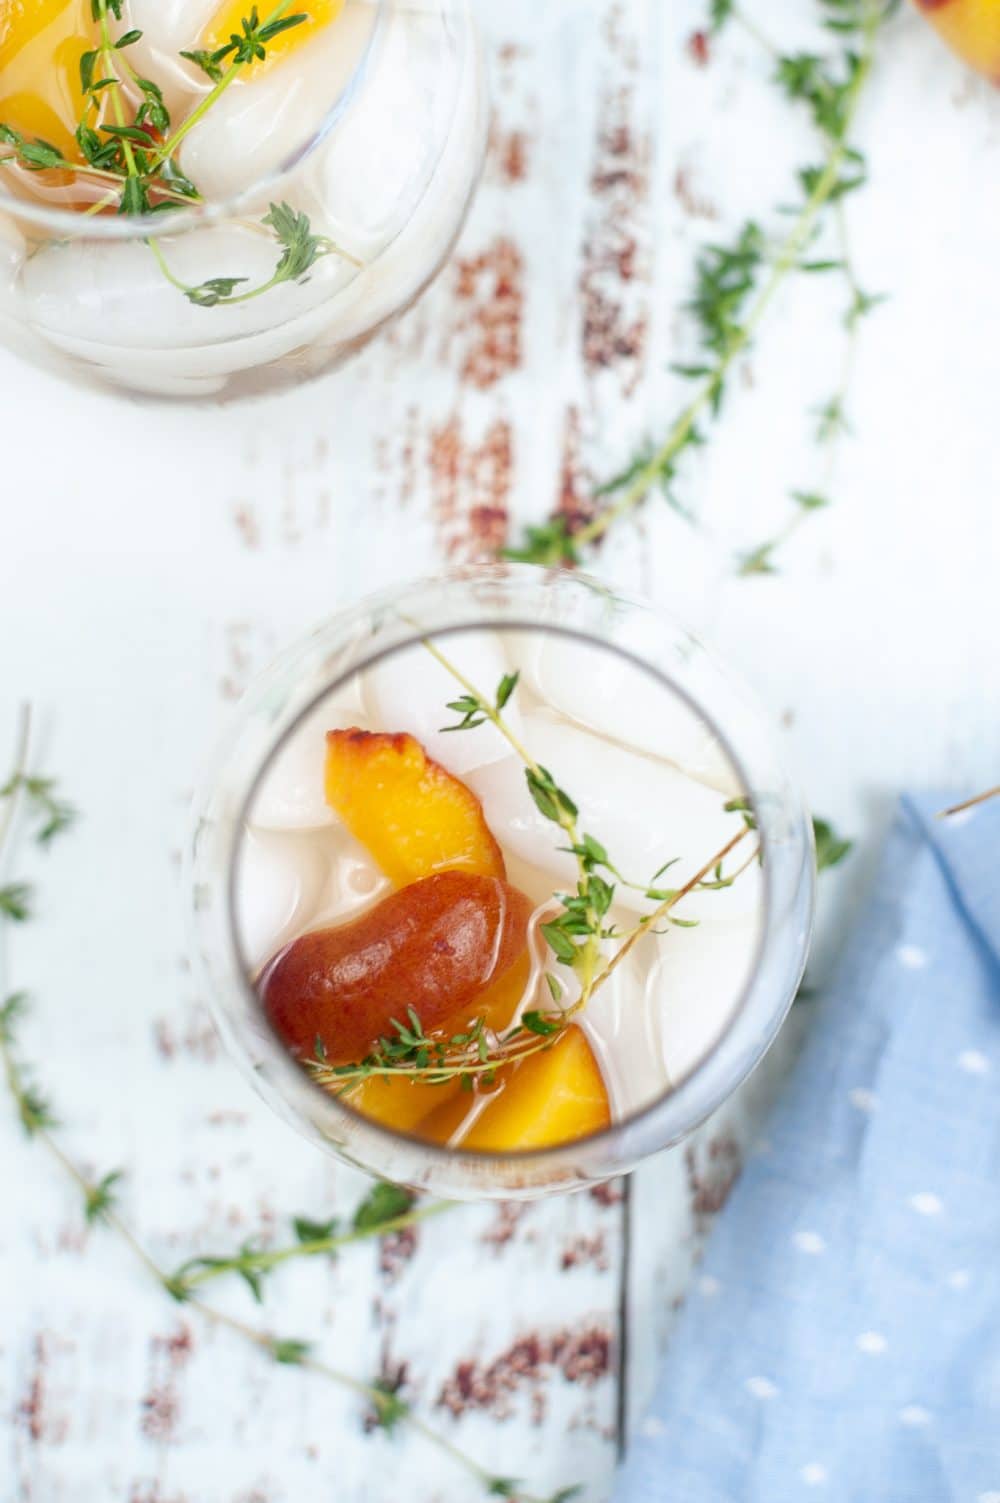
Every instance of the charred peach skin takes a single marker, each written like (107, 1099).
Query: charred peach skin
(552, 1097)
(971, 28)
(412, 815)
(436, 946)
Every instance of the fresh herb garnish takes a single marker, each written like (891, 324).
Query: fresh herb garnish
(736, 284)
(100, 1208)
(301, 249)
(831, 849)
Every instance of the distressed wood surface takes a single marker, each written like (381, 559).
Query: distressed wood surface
(136, 609)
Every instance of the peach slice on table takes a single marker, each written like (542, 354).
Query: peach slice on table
(971, 28)
(413, 816)
(551, 1097)
(436, 946)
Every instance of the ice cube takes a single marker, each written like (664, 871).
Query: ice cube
(13, 250)
(410, 691)
(263, 124)
(170, 27)
(354, 882)
(643, 811)
(291, 793)
(114, 298)
(621, 700)
(693, 985)
(279, 886)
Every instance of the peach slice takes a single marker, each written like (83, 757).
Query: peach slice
(552, 1097)
(412, 815)
(40, 49)
(404, 1104)
(971, 28)
(435, 947)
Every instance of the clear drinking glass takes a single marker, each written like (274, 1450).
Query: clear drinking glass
(514, 599)
(385, 168)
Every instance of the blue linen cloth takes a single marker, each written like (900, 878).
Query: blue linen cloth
(843, 1338)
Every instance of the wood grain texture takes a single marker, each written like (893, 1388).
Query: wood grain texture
(135, 612)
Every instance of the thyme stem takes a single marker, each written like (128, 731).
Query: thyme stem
(388, 1408)
(266, 1260)
(200, 111)
(84, 169)
(109, 53)
(668, 904)
(566, 821)
(786, 259)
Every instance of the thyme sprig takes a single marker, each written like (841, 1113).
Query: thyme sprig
(385, 1209)
(99, 1197)
(578, 931)
(736, 284)
(429, 1060)
(831, 848)
(575, 935)
(301, 250)
(37, 155)
(410, 1053)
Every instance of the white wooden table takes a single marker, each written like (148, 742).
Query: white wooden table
(152, 557)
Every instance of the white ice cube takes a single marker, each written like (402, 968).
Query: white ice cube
(622, 701)
(279, 886)
(666, 1006)
(262, 124)
(291, 795)
(169, 27)
(13, 250)
(354, 883)
(114, 297)
(644, 812)
(695, 982)
(371, 171)
(410, 691)
(624, 1036)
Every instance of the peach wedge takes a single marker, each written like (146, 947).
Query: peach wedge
(406, 809)
(971, 28)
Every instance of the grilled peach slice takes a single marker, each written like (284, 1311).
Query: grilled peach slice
(404, 1104)
(971, 28)
(412, 815)
(551, 1097)
(435, 946)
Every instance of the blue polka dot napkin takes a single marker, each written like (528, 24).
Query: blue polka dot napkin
(843, 1340)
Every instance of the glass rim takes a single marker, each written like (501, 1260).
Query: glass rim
(562, 1154)
(75, 224)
